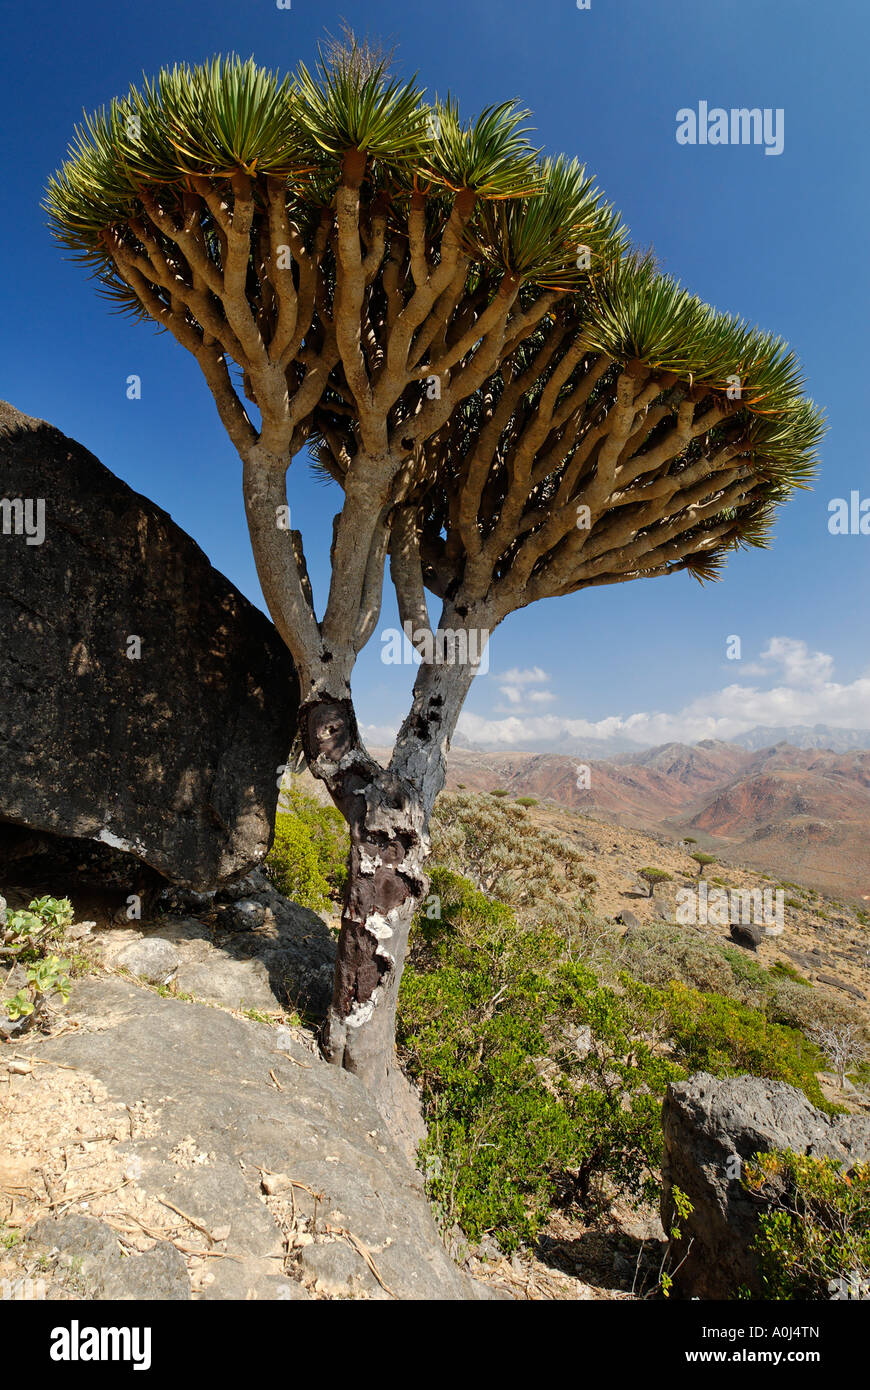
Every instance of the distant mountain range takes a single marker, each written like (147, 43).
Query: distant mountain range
(802, 736)
(801, 813)
(762, 736)
(587, 747)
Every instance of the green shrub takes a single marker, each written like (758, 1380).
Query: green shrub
(659, 952)
(308, 858)
(521, 1117)
(712, 1033)
(752, 982)
(814, 1241)
(329, 833)
(294, 867)
(785, 970)
(498, 846)
(25, 938)
(499, 791)
(526, 800)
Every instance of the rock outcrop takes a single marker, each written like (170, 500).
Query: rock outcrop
(145, 705)
(711, 1127)
(286, 960)
(270, 1170)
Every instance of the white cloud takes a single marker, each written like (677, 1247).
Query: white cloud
(528, 675)
(805, 693)
(512, 694)
(515, 689)
(379, 735)
(797, 664)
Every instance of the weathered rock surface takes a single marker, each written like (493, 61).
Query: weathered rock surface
(170, 757)
(708, 1124)
(841, 984)
(221, 1089)
(89, 1248)
(285, 961)
(152, 958)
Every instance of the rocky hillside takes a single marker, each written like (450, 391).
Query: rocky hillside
(172, 1132)
(823, 937)
(803, 814)
(177, 1111)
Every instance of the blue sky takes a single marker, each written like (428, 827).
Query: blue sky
(779, 239)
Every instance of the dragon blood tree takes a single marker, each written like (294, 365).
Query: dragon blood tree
(513, 404)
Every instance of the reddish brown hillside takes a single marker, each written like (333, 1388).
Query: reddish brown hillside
(803, 814)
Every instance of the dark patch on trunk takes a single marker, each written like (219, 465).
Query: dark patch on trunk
(418, 725)
(328, 729)
(358, 971)
(361, 969)
(378, 807)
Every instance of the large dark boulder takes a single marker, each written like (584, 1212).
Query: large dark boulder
(172, 757)
(711, 1127)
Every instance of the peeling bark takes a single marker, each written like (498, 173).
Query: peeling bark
(387, 811)
(386, 881)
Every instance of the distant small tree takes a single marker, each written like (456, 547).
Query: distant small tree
(652, 876)
(703, 861)
(513, 405)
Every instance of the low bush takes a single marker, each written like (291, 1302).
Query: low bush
(658, 953)
(498, 846)
(814, 1241)
(783, 969)
(294, 867)
(712, 1033)
(537, 1087)
(308, 858)
(26, 938)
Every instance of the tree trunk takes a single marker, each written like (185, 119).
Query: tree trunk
(386, 881)
(387, 811)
